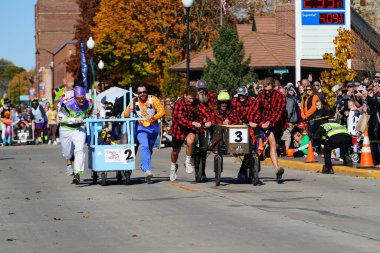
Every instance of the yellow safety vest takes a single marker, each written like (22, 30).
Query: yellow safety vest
(333, 129)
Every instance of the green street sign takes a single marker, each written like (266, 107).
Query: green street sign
(281, 71)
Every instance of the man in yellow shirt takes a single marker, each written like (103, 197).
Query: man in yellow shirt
(146, 131)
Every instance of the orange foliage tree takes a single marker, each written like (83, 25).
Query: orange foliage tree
(137, 38)
(339, 72)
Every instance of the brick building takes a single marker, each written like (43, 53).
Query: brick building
(54, 32)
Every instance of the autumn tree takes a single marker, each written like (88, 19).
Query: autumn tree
(87, 11)
(19, 85)
(7, 71)
(138, 38)
(338, 62)
(229, 68)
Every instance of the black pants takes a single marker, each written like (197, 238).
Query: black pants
(342, 141)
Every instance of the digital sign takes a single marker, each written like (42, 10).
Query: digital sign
(327, 18)
(323, 18)
(322, 4)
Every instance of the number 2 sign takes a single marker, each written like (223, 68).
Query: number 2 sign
(238, 135)
(122, 155)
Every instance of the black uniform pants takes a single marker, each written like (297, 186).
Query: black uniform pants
(342, 141)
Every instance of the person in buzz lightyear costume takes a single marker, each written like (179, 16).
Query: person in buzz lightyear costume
(72, 132)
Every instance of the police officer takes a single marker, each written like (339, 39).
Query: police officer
(333, 135)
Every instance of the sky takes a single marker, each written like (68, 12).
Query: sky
(17, 32)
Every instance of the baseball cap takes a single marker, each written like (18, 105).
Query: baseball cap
(289, 84)
(350, 85)
(242, 90)
(201, 84)
(377, 75)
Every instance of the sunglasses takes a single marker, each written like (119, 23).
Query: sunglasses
(309, 89)
(141, 92)
(223, 102)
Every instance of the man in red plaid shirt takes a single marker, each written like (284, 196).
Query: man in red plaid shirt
(269, 112)
(242, 104)
(206, 97)
(188, 116)
(224, 115)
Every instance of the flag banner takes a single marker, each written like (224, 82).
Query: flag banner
(83, 64)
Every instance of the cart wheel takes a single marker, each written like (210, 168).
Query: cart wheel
(197, 159)
(94, 177)
(119, 176)
(198, 163)
(127, 175)
(355, 157)
(248, 165)
(255, 169)
(218, 164)
(103, 178)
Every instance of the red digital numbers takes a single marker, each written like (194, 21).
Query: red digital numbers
(331, 18)
(323, 4)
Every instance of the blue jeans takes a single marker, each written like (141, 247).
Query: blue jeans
(146, 137)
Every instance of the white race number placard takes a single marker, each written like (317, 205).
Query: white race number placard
(238, 135)
(122, 155)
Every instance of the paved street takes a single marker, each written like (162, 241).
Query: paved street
(41, 211)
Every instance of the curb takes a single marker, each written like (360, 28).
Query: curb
(317, 167)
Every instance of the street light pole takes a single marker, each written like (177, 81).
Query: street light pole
(101, 66)
(187, 4)
(90, 45)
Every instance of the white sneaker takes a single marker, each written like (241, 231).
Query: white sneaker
(55, 143)
(173, 173)
(148, 176)
(69, 170)
(189, 167)
(49, 142)
(58, 141)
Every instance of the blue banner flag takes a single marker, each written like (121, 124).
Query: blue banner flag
(83, 64)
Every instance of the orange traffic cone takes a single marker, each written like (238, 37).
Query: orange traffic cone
(310, 154)
(261, 147)
(366, 160)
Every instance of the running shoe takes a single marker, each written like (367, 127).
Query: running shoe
(76, 179)
(148, 176)
(279, 173)
(173, 173)
(69, 170)
(189, 167)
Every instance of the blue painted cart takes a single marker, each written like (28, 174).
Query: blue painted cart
(118, 158)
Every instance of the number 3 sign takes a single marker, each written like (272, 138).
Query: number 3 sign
(238, 135)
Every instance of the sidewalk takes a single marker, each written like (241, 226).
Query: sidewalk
(339, 169)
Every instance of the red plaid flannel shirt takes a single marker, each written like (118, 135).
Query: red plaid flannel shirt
(212, 101)
(242, 109)
(272, 109)
(217, 117)
(183, 115)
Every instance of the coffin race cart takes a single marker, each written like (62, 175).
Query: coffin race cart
(236, 140)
